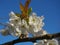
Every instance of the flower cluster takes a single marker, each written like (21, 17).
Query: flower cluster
(49, 42)
(17, 26)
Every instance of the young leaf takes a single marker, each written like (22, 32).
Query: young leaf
(29, 10)
(27, 4)
(21, 7)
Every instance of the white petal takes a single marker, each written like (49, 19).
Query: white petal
(53, 42)
(35, 43)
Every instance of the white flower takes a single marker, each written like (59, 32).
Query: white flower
(40, 33)
(24, 23)
(13, 30)
(32, 20)
(4, 32)
(18, 31)
(40, 42)
(13, 16)
(52, 42)
(35, 43)
(36, 24)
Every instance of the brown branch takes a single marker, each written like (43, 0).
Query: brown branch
(33, 39)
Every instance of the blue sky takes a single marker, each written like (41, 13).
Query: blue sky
(50, 9)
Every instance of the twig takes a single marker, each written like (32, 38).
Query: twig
(33, 39)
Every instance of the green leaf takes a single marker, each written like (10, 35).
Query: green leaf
(29, 10)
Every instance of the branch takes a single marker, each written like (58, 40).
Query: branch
(33, 39)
